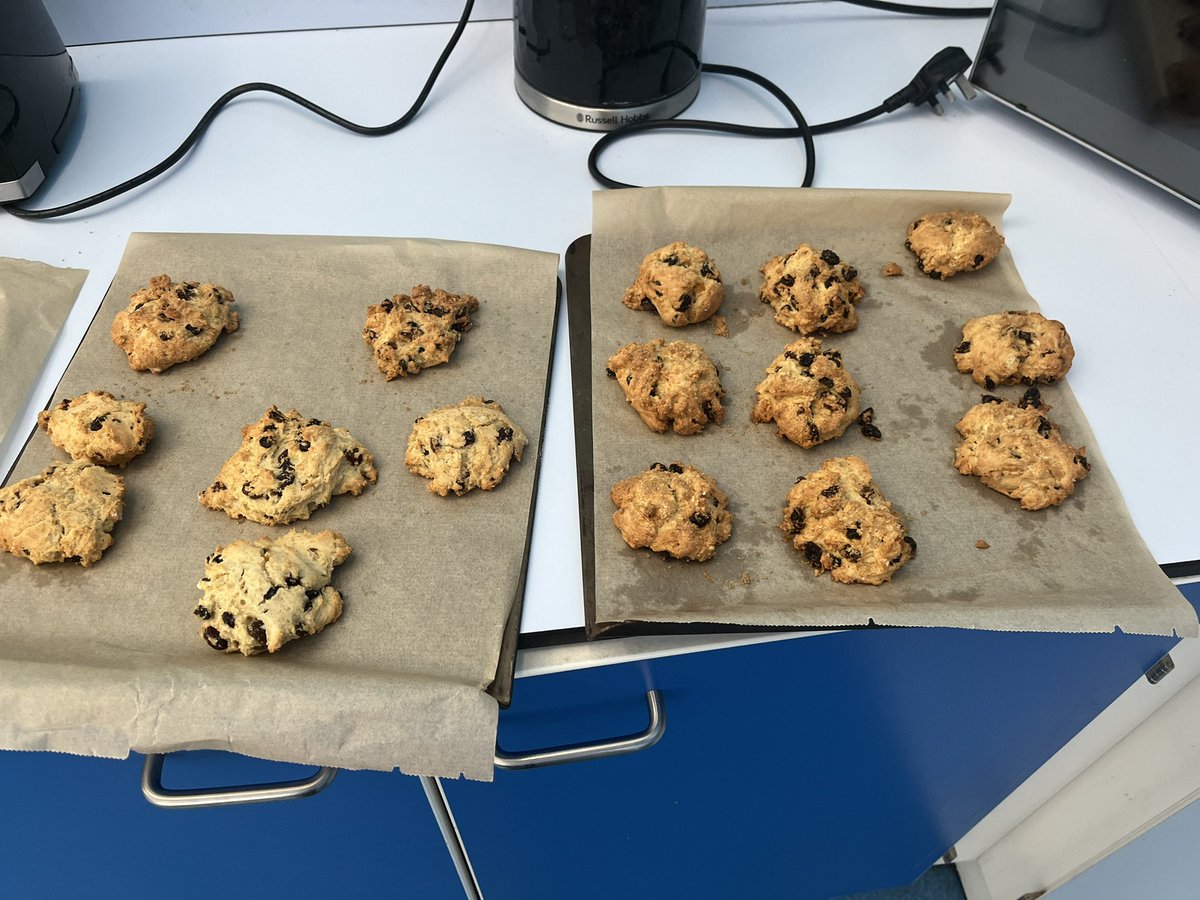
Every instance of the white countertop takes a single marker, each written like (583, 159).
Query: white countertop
(1113, 257)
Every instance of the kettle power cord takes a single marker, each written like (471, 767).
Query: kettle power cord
(933, 78)
(947, 66)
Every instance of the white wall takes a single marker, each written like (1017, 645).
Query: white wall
(102, 21)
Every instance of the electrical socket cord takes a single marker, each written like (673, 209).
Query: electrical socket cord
(913, 92)
(945, 67)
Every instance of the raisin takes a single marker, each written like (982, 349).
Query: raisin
(354, 456)
(301, 631)
(700, 519)
(814, 272)
(647, 304)
(504, 434)
(1032, 397)
(853, 534)
(291, 581)
(214, 639)
(309, 597)
(867, 416)
(97, 423)
(676, 468)
(797, 520)
(830, 491)
(1044, 427)
(851, 554)
(303, 446)
(271, 592)
(654, 389)
(1024, 336)
(990, 398)
(216, 558)
(387, 306)
(812, 552)
(830, 281)
(468, 438)
(266, 441)
(830, 257)
(202, 612)
(671, 260)
(312, 422)
(163, 336)
(989, 383)
(707, 408)
(912, 545)
(270, 428)
(834, 356)
(849, 273)
(228, 619)
(978, 261)
(872, 432)
(246, 490)
(276, 415)
(685, 303)
(1082, 461)
(826, 381)
(788, 280)
(963, 347)
(706, 270)
(814, 432)
(258, 631)
(806, 359)
(194, 330)
(933, 273)
(610, 373)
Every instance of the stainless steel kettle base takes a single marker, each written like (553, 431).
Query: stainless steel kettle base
(599, 118)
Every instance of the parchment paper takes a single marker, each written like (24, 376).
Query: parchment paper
(108, 659)
(1078, 567)
(34, 302)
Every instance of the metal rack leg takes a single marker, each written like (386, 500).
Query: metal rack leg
(445, 819)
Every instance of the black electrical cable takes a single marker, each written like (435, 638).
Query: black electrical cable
(951, 12)
(231, 95)
(802, 130)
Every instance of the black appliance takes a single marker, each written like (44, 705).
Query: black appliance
(600, 64)
(39, 93)
(1119, 76)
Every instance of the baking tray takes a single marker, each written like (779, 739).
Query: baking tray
(1078, 567)
(421, 631)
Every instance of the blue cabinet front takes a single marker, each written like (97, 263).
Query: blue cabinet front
(74, 827)
(802, 768)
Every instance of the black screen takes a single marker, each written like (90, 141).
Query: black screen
(1120, 75)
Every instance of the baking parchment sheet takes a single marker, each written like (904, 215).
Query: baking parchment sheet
(34, 302)
(1081, 566)
(106, 659)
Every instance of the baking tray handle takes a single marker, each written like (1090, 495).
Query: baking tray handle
(555, 756)
(170, 798)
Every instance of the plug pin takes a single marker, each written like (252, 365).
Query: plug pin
(937, 108)
(948, 94)
(965, 87)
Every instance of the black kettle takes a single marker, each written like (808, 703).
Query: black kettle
(600, 64)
